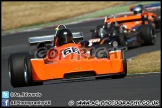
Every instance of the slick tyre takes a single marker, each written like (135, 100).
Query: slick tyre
(95, 34)
(148, 34)
(16, 69)
(28, 72)
(122, 39)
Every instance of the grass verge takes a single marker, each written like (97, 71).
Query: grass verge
(147, 62)
(101, 12)
(18, 14)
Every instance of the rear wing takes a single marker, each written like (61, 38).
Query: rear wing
(121, 19)
(77, 36)
(48, 39)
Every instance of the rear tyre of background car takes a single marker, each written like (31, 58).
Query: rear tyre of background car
(96, 32)
(122, 39)
(16, 69)
(148, 34)
(28, 72)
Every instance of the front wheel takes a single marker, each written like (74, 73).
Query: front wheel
(28, 72)
(16, 69)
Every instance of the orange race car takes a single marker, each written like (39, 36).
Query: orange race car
(131, 30)
(65, 60)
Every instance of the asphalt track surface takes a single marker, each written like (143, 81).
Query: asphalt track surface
(133, 87)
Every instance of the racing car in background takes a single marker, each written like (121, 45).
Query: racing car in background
(154, 8)
(130, 30)
(28, 70)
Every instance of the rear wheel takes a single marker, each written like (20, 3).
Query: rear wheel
(158, 24)
(148, 34)
(16, 68)
(28, 72)
(95, 33)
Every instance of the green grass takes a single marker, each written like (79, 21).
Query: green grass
(147, 62)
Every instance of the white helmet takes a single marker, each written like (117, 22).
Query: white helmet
(137, 10)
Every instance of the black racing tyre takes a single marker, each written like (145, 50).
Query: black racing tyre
(49, 47)
(41, 44)
(157, 21)
(95, 34)
(16, 69)
(41, 52)
(158, 24)
(28, 72)
(148, 34)
(122, 39)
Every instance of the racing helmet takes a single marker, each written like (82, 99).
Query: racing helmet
(64, 36)
(138, 10)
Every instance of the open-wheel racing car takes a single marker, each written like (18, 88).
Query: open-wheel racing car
(131, 30)
(28, 70)
(154, 8)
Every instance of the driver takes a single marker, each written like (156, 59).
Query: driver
(63, 36)
(138, 10)
(64, 47)
(110, 29)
